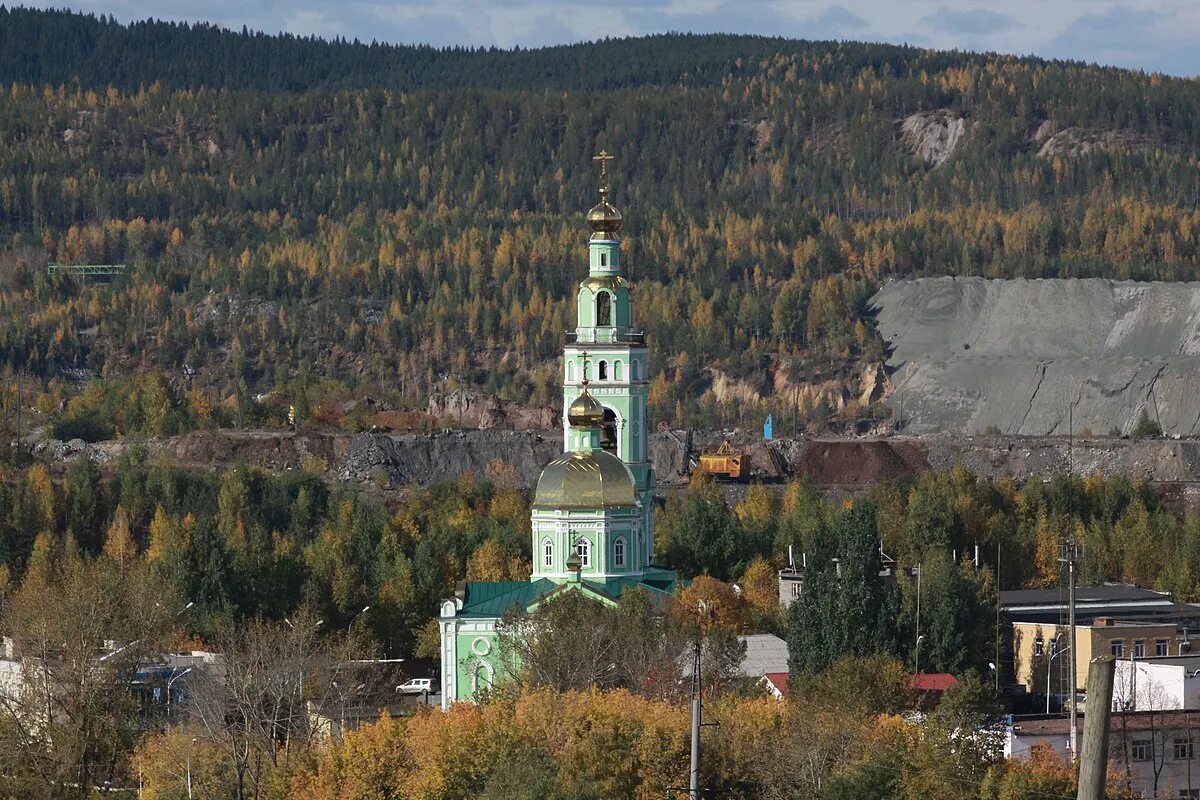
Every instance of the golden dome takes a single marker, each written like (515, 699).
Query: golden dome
(586, 479)
(585, 412)
(604, 219)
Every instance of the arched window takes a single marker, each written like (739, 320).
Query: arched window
(616, 370)
(547, 553)
(603, 371)
(603, 259)
(633, 369)
(583, 548)
(570, 372)
(604, 309)
(481, 681)
(608, 431)
(619, 552)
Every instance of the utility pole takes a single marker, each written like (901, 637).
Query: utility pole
(917, 655)
(1070, 555)
(1093, 767)
(997, 669)
(694, 779)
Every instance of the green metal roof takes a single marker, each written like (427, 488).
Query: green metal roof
(492, 599)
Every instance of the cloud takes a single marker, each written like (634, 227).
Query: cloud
(1149, 38)
(972, 22)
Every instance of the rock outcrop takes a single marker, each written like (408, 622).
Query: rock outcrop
(933, 136)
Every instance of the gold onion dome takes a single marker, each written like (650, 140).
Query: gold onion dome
(604, 218)
(585, 412)
(586, 479)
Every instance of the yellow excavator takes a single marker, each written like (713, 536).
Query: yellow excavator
(725, 462)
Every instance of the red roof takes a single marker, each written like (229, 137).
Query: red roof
(931, 681)
(778, 681)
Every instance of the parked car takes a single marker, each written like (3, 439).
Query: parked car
(416, 686)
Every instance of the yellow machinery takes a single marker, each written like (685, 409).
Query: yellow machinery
(725, 462)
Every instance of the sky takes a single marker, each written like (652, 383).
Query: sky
(1153, 35)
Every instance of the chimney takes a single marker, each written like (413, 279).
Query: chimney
(1102, 622)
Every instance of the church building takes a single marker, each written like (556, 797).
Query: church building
(593, 510)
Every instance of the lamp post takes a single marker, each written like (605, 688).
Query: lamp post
(1056, 651)
(170, 682)
(917, 657)
(189, 768)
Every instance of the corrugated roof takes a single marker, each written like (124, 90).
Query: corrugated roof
(493, 598)
(931, 681)
(765, 653)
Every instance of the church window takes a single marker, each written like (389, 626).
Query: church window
(608, 431)
(547, 553)
(583, 548)
(619, 552)
(603, 367)
(616, 370)
(633, 370)
(482, 679)
(570, 372)
(604, 309)
(604, 259)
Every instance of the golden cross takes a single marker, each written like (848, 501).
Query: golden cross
(603, 157)
(585, 362)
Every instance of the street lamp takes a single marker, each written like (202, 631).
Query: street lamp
(170, 682)
(917, 656)
(1056, 651)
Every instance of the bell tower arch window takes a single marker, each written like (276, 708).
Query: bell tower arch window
(604, 310)
(617, 371)
(602, 371)
(570, 372)
(633, 369)
(603, 259)
(608, 431)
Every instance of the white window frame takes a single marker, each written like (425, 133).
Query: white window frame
(1139, 749)
(583, 549)
(1161, 647)
(547, 552)
(619, 548)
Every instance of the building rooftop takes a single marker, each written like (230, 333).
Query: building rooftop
(1110, 594)
(765, 653)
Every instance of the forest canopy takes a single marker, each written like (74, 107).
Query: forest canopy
(410, 224)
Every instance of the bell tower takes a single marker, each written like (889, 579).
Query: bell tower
(609, 353)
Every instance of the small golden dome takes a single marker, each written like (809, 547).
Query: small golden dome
(604, 219)
(586, 479)
(585, 412)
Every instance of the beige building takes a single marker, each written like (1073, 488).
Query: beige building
(1038, 647)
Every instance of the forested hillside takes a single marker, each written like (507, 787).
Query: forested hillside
(341, 220)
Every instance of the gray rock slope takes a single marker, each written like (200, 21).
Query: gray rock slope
(971, 354)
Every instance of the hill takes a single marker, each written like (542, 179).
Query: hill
(357, 229)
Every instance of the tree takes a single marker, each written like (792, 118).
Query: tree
(844, 606)
(69, 719)
(253, 712)
(698, 534)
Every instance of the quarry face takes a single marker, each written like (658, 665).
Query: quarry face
(972, 355)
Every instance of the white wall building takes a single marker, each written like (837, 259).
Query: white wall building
(1157, 684)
